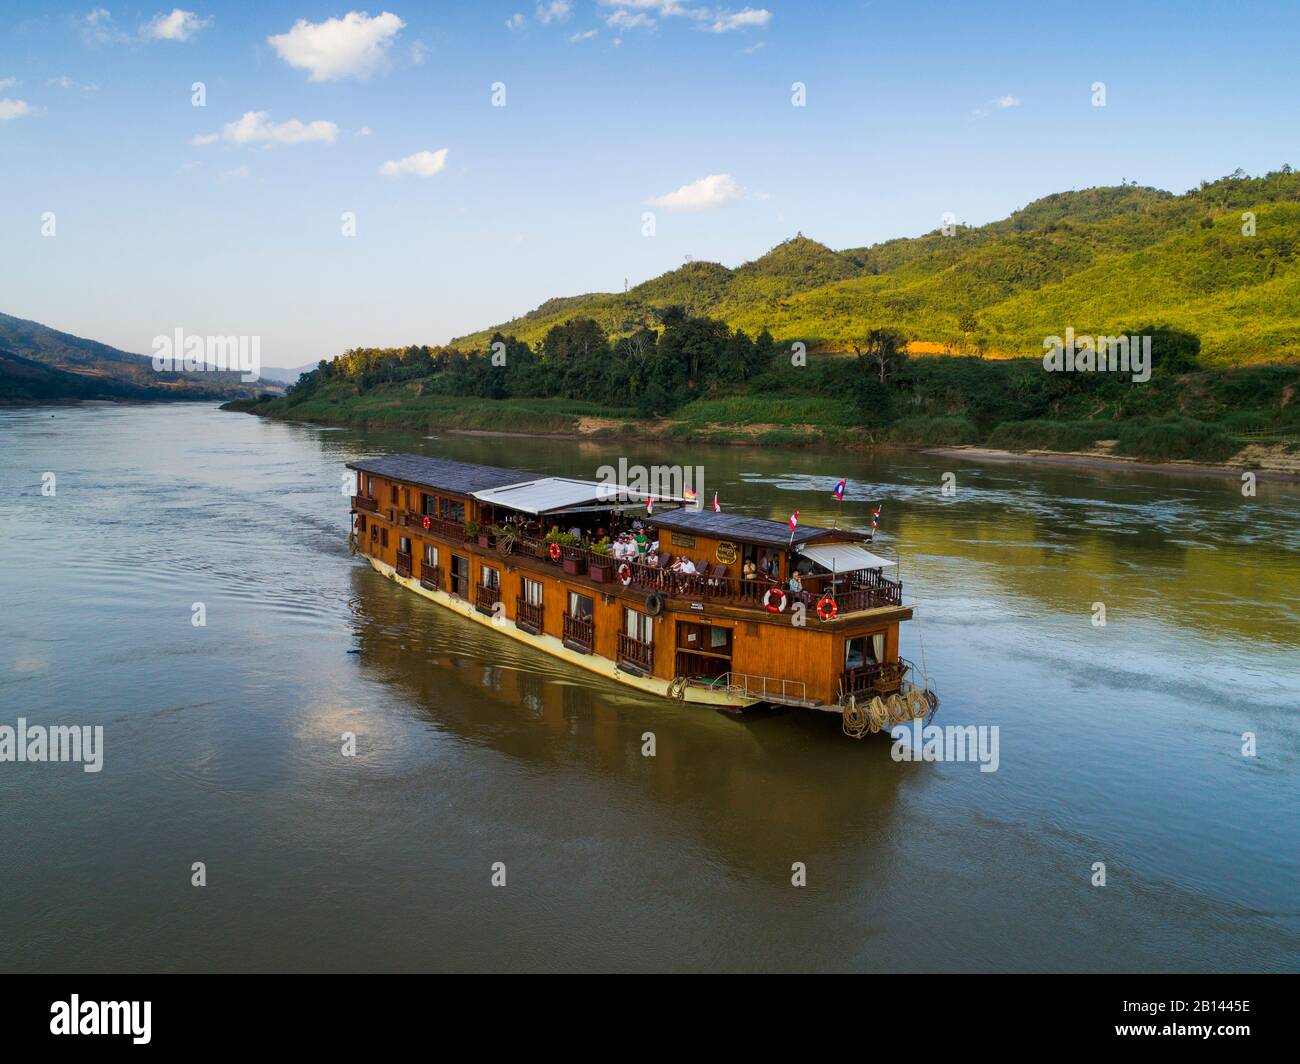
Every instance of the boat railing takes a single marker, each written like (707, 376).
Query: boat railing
(579, 633)
(636, 652)
(440, 525)
(883, 677)
(486, 598)
(528, 616)
(403, 564)
(365, 502)
(430, 576)
(862, 589)
(761, 688)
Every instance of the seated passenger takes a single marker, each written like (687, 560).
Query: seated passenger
(750, 570)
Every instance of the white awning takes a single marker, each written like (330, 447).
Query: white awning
(542, 496)
(557, 494)
(843, 557)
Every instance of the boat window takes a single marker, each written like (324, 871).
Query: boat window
(361, 523)
(404, 545)
(370, 487)
(580, 606)
(430, 554)
(459, 575)
(532, 592)
(719, 637)
(428, 505)
(392, 494)
(453, 511)
(490, 577)
(639, 626)
(860, 651)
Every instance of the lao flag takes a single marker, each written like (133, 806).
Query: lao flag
(839, 490)
(716, 508)
(794, 522)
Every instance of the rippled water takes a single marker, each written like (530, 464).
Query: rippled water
(1119, 744)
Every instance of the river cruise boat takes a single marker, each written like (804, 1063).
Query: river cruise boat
(549, 561)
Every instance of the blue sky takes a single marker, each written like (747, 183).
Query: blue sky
(912, 110)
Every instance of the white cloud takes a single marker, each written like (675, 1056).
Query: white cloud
(364, 131)
(625, 20)
(205, 138)
(237, 174)
(421, 164)
(254, 128)
(355, 45)
(1007, 101)
(8, 83)
(13, 109)
(555, 11)
(583, 36)
(516, 22)
(178, 26)
(97, 27)
(748, 18)
(716, 190)
(1000, 102)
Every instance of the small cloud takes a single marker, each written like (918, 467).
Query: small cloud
(418, 52)
(1007, 101)
(752, 48)
(97, 27)
(10, 109)
(716, 190)
(364, 131)
(255, 128)
(237, 174)
(205, 138)
(516, 22)
(355, 45)
(65, 82)
(177, 26)
(588, 35)
(8, 83)
(626, 20)
(421, 164)
(746, 19)
(554, 11)
(1000, 102)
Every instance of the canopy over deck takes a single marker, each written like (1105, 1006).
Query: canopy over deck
(843, 557)
(557, 495)
(749, 529)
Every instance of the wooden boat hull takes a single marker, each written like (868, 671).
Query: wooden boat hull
(548, 644)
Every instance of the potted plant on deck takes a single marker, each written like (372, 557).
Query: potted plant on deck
(471, 531)
(601, 569)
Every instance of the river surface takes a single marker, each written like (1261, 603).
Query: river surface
(1120, 744)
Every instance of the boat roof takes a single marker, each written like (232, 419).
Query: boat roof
(464, 478)
(748, 529)
(549, 495)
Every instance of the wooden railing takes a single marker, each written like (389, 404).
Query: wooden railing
(580, 633)
(863, 589)
(527, 616)
(636, 653)
(486, 598)
(875, 677)
(453, 530)
(430, 576)
(364, 502)
(403, 564)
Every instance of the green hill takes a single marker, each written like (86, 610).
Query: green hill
(1102, 260)
(44, 365)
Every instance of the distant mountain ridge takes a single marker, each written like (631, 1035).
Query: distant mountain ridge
(41, 364)
(1221, 261)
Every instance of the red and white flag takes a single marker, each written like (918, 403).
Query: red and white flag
(650, 505)
(716, 508)
(794, 521)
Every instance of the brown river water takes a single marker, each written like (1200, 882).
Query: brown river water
(222, 744)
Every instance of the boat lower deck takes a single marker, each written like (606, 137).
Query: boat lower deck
(726, 697)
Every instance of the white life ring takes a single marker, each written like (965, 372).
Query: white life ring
(625, 574)
(780, 601)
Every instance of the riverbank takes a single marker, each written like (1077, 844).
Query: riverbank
(822, 424)
(1267, 463)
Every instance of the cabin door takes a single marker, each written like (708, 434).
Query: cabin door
(703, 649)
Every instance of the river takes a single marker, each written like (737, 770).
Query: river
(1120, 744)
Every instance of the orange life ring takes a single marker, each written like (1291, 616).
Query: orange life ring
(826, 608)
(427, 523)
(555, 552)
(625, 574)
(780, 600)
